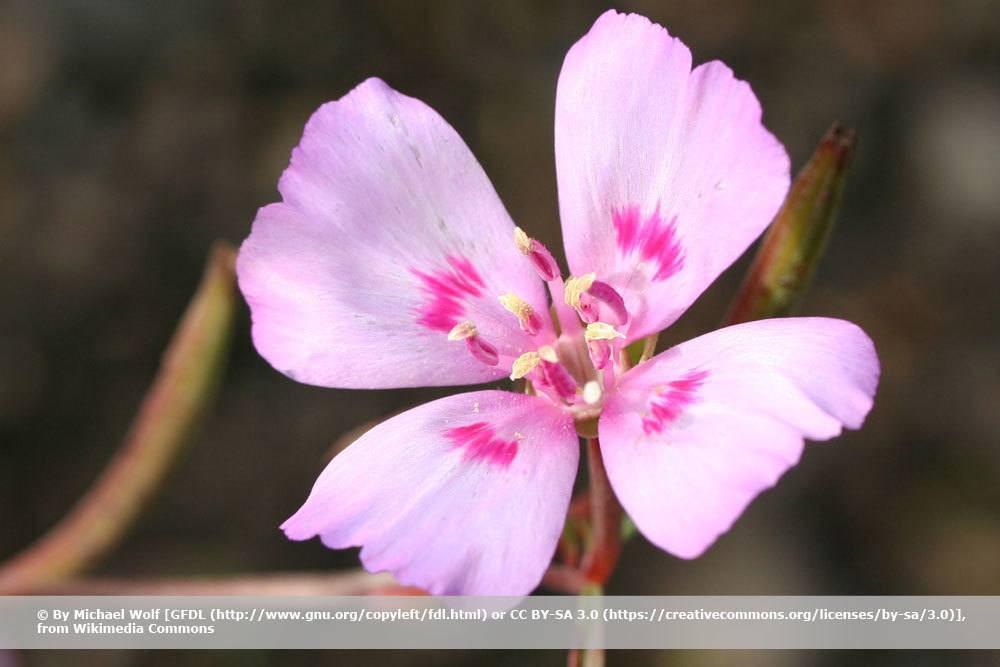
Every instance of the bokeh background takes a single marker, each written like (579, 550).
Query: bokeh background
(133, 134)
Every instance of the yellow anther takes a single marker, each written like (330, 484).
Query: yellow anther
(515, 304)
(576, 286)
(524, 364)
(463, 331)
(601, 331)
(548, 353)
(522, 241)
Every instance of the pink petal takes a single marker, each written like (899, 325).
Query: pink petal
(465, 495)
(698, 431)
(666, 175)
(389, 234)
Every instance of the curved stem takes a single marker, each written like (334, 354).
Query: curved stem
(169, 413)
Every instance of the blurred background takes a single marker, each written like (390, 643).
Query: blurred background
(134, 134)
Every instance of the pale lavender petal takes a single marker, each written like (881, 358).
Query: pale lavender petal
(666, 175)
(466, 495)
(697, 432)
(389, 235)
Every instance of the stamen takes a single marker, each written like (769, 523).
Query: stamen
(539, 255)
(548, 353)
(478, 347)
(524, 364)
(547, 268)
(483, 351)
(610, 297)
(576, 287)
(599, 336)
(531, 323)
(585, 293)
(546, 374)
(522, 240)
(462, 331)
(552, 375)
(601, 331)
(559, 379)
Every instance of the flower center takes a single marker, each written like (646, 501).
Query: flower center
(579, 367)
(575, 368)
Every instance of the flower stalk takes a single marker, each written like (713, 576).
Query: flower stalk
(179, 397)
(606, 516)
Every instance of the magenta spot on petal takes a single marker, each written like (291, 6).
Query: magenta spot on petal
(445, 291)
(479, 443)
(669, 401)
(653, 239)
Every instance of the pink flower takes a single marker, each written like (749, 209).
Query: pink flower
(390, 262)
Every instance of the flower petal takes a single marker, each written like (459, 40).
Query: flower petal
(465, 495)
(389, 235)
(666, 175)
(697, 432)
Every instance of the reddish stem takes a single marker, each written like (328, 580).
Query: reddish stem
(564, 579)
(606, 517)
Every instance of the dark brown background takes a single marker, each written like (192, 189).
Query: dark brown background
(133, 134)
